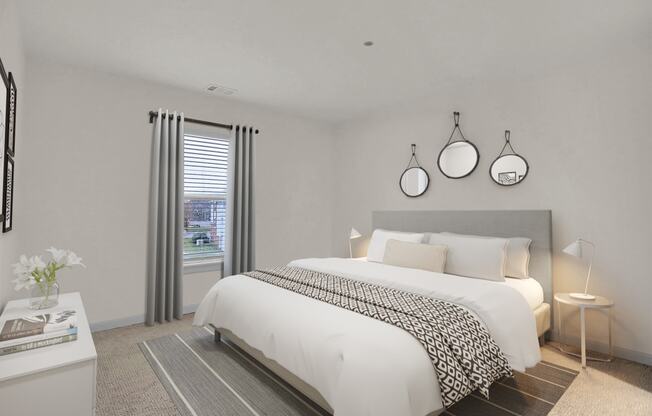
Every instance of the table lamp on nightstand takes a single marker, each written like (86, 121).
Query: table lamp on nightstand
(353, 235)
(575, 249)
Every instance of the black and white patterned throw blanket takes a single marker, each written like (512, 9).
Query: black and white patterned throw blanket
(463, 354)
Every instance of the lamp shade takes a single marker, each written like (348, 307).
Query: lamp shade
(354, 234)
(574, 248)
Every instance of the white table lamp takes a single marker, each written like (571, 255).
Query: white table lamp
(575, 249)
(353, 235)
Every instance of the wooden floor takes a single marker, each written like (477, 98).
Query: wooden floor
(128, 386)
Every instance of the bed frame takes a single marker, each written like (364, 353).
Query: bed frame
(536, 225)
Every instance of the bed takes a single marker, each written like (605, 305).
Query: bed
(351, 364)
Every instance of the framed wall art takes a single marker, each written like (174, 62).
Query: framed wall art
(12, 97)
(8, 195)
(4, 95)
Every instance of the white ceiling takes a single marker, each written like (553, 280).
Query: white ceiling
(307, 57)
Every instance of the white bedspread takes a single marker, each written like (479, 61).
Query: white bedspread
(529, 288)
(362, 366)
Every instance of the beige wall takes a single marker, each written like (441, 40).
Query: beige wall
(585, 131)
(87, 143)
(11, 52)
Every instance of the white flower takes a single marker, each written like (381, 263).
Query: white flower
(32, 270)
(36, 262)
(73, 260)
(57, 254)
(23, 267)
(23, 282)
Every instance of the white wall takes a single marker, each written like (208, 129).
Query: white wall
(85, 182)
(585, 131)
(11, 53)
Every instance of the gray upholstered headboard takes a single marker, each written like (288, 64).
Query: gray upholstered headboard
(536, 225)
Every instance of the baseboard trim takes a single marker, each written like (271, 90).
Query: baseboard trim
(131, 320)
(620, 352)
(190, 308)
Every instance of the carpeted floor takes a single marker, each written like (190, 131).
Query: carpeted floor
(127, 385)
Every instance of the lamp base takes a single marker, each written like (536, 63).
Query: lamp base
(582, 296)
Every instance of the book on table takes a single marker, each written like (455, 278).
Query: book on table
(37, 330)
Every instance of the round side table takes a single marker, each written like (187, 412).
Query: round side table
(598, 303)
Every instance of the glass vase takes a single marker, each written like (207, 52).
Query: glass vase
(44, 295)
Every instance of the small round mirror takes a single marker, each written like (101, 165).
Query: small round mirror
(414, 181)
(458, 159)
(509, 170)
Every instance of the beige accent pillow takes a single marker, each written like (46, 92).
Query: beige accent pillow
(415, 256)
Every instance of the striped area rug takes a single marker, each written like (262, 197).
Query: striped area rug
(207, 378)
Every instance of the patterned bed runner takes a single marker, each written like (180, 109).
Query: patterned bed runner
(463, 354)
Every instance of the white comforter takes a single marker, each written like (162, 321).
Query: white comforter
(362, 366)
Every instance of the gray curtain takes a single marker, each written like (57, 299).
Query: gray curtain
(239, 250)
(165, 228)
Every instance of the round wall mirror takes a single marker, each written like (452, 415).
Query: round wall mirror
(509, 168)
(415, 180)
(458, 158)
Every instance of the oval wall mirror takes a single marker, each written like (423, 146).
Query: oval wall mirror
(509, 168)
(415, 180)
(458, 158)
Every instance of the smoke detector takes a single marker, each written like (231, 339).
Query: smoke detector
(221, 89)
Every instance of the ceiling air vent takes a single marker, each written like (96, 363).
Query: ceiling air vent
(221, 89)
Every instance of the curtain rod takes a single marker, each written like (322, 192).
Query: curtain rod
(154, 114)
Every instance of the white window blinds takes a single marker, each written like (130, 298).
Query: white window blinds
(205, 164)
(205, 186)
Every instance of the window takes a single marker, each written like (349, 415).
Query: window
(205, 178)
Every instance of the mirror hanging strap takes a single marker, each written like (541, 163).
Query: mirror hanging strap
(413, 158)
(456, 118)
(507, 143)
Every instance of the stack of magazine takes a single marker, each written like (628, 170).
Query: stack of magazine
(38, 330)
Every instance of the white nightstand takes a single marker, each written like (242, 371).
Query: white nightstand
(55, 380)
(598, 303)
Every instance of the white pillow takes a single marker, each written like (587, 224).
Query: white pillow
(482, 258)
(376, 250)
(517, 261)
(415, 255)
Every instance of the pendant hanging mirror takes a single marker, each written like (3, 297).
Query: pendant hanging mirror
(458, 158)
(509, 168)
(414, 180)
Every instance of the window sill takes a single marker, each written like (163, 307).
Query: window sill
(201, 266)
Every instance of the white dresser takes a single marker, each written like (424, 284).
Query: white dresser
(55, 380)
